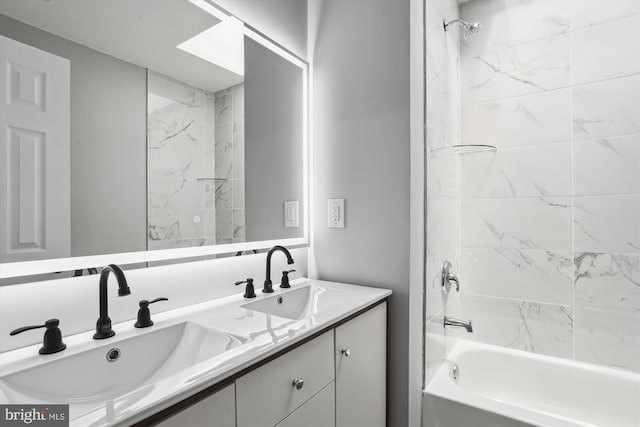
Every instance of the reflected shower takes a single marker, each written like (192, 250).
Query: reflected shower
(470, 29)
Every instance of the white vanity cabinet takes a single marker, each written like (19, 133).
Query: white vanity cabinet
(270, 393)
(361, 361)
(337, 379)
(217, 410)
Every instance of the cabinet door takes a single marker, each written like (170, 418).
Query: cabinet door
(361, 363)
(319, 411)
(217, 410)
(267, 395)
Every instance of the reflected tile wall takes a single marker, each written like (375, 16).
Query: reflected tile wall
(550, 223)
(181, 212)
(229, 164)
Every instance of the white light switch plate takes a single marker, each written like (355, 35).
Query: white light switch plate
(336, 213)
(291, 214)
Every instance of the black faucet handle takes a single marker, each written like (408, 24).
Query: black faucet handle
(145, 303)
(249, 290)
(52, 341)
(284, 282)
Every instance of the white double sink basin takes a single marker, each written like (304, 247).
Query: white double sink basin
(187, 350)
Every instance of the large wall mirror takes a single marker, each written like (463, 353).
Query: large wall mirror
(136, 131)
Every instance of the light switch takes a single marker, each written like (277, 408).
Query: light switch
(336, 213)
(291, 214)
(196, 219)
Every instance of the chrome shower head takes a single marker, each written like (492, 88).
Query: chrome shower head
(469, 29)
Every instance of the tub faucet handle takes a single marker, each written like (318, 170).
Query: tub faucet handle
(447, 278)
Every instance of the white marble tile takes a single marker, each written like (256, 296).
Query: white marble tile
(223, 194)
(238, 224)
(176, 224)
(527, 120)
(442, 119)
(608, 108)
(443, 225)
(607, 338)
(534, 223)
(209, 110)
(442, 171)
(238, 150)
(223, 107)
(238, 102)
(607, 166)
(170, 131)
(224, 151)
(176, 163)
(607, 281)
(585, 13)
(607, 224)
(166, 192)
(224, 225)
(606, 51)
(541, 170)
(537, 328)
(532, 275)
(534, 67)
(237, 188)
(182, 101)
(515, 22)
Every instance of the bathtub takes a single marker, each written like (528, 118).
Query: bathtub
(499, 387)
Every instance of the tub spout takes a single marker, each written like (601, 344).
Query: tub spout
(450, 321)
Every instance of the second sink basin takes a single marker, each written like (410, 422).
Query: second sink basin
(120, 366)
(295, 305)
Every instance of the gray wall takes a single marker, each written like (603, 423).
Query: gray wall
(108, 144)
(361, 154)
(273, 143)
(285, 21)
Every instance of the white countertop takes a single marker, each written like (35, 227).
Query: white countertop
(262, 335)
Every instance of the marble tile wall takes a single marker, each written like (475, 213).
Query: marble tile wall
(180, 149)
(229, 165)
(550, 223)
(442, 186)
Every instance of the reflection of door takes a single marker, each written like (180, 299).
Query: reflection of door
(34, 153)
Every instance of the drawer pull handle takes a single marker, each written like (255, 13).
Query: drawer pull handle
(298, 383)
(346, 351)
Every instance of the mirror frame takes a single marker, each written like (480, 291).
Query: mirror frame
(30, 268)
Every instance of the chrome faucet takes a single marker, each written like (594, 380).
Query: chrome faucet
(268, 285)
(450, 321)
(103, 326)
(447, 277)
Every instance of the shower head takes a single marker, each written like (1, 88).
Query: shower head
(470, 29)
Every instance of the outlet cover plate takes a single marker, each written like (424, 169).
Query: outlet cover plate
(291, 214)
(336, 213)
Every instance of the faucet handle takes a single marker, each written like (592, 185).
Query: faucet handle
(284, 282)
(52, 340)
(447, 277)
(249, 291)
(144, 315)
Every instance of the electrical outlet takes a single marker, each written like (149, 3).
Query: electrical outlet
(196, 219)
(336, 213)
(291, 214)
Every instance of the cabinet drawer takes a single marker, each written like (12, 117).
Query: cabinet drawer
(319, 411)
(267, 395)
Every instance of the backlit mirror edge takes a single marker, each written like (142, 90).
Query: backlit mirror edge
(31, 268)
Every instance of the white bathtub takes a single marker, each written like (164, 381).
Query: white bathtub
(499, 387)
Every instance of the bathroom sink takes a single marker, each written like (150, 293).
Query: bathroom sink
(121, 366)
(294, 305)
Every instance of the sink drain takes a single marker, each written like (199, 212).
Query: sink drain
(113, 354)
(280, 300)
